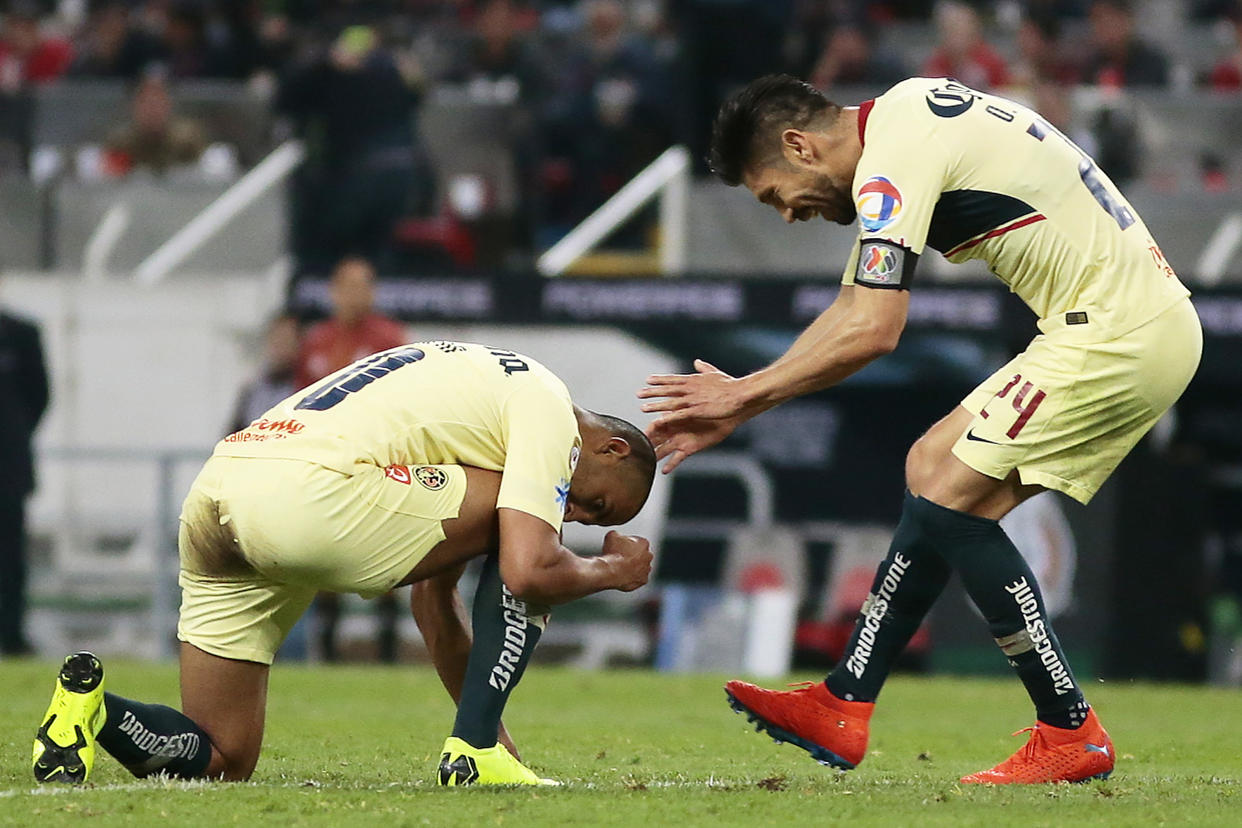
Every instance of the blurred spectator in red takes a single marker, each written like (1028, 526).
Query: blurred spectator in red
(355, 106)
(353, 331)
(155, 138)
(961, 52)
(110, 47)
(1226, 75)
(1117, 57)
(850, 55)
(27, 57)
(1041, 57)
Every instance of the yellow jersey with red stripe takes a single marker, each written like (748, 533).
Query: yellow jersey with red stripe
(976, 176)
(432, 403)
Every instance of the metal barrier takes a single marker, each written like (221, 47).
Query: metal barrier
(81, 589)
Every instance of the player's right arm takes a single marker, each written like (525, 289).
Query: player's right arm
(538, 569)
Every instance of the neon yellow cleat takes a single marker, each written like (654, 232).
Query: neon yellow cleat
(64, 747)
(463, 764)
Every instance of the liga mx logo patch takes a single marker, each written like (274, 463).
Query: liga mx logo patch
(431, 477)
(879, 203)
(879, 264)
(882, 264)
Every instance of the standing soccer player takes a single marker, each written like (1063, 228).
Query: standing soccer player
(395, 470)
(932, 163)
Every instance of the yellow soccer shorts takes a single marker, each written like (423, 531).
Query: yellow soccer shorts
(259, 537)
(1069, 408)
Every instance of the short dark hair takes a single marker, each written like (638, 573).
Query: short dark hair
(642, 452)
(748, 119)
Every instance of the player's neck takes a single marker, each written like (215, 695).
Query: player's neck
(842, 146)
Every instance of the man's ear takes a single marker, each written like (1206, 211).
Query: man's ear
(796, 146)
(617, 447)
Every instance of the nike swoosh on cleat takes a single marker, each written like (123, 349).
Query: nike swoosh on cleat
(1090, 748)
(971, 436)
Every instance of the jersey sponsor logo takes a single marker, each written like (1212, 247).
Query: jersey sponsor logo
(1032, 616)
(562, 493)
(401, 474)
(430, 477)
(289, 426)
(951, 100)
(879, 203)
(265, 429)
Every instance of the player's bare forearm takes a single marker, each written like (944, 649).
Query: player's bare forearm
(441, 617)
(537, 568)
(818, 329)
(854, 331)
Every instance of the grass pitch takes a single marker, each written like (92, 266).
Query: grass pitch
(358, 746)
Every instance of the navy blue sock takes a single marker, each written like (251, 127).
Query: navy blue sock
(150, 738)
(906, 585)
(1001, 584)
(505, 635)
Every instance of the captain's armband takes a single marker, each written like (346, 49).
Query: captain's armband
(884, 264)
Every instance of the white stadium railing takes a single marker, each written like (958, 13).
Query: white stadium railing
(668, 178)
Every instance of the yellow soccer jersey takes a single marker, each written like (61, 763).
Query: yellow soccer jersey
(434, 403)
(975, 176)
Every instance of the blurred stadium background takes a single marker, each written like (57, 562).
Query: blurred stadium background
(176, 173)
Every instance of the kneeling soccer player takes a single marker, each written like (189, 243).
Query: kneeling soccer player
(396, 470)
(932, 163)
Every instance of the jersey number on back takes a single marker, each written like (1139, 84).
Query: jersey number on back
(952, 99)
(1090, 175)
(359, 376)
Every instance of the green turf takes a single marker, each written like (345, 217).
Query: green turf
(357, 746)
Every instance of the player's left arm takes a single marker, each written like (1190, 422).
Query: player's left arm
(443, 621)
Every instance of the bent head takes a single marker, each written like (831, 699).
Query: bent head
(774, 136)
(614, 473)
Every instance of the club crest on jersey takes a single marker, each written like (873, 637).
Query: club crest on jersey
(401, 474)
(879, 203)
(431, 477)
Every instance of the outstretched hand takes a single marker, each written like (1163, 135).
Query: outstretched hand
(699, 410)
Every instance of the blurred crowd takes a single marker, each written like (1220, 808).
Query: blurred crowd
(595, 89)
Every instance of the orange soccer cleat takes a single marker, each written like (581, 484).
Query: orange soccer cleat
(1054, 754)
(832, 730)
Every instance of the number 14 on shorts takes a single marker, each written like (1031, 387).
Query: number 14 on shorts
(1025, 401)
